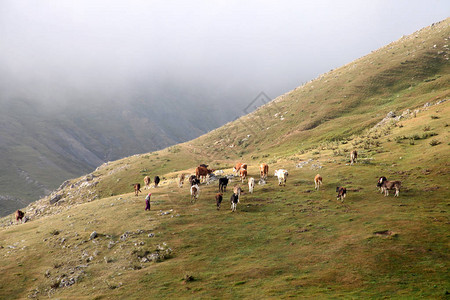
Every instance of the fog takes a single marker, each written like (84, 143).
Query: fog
(219, 51)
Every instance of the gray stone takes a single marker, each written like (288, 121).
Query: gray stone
(55, 198)
(93, 235)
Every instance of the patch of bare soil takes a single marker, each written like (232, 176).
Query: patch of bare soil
(384, 233)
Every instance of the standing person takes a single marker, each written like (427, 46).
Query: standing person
(147, 201)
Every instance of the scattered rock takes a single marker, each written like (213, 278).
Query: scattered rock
(55, 198)
(93, 235)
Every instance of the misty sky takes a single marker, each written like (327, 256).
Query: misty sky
(230, 50)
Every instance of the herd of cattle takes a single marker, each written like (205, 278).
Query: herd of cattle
(240, 169)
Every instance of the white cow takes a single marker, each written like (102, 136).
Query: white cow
(194, 192)
(282, 176)
(251, 184)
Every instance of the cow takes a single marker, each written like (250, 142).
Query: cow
(386, 185)
(219, 197)
(317, 181)
(181, 179)
(353, 156)
(238, 167)
(156, 181)
(282, 176)
(223, 182)
(264, 170)
(137, 188)
(19, 215)
(251, 184)
(193, 180)
(202, 172)
(194, 193)
(147, 182)
(237, 190)
(243, 174)
(234, 201)
(342, 192)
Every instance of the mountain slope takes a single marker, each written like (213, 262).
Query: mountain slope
(43, 144)
(283, 242)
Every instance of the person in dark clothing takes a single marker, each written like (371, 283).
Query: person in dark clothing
(147, 201)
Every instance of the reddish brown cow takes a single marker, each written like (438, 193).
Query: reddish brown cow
(243, 174)
(238, 167)
(202, 172)
(137, 188)
(264, 170)
(317, 181)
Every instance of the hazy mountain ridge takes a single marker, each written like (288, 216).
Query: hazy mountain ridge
(42, 145)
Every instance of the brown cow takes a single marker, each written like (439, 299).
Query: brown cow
(137, 188)
(202, 172)
(243, 174)
(264, 170)
(238, 167)
(19, 215)
(219, 197)
(386, 185)
(317, 181)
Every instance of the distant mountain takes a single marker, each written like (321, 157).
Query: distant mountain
(42, 145)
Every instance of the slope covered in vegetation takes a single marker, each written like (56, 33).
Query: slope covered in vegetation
(291, 241)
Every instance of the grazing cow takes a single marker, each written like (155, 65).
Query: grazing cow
(238, 167)
(234, 201)
(19, 215)
(264, 170)
(219, 197)
(237, 190)
(282, 176)
(251, 184)
(137, 188)
(342, 192)
(193, 180)
(202, 172)
(382, 178)
(181, 179)
(353, 156)
(386, 185)
(317, 181)
(194, 193)
(243, 174)
(156, 181)
(223, 182)
(147, 182)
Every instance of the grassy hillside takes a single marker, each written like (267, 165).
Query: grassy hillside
(282, 242)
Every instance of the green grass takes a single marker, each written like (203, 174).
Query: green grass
(282, 242)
